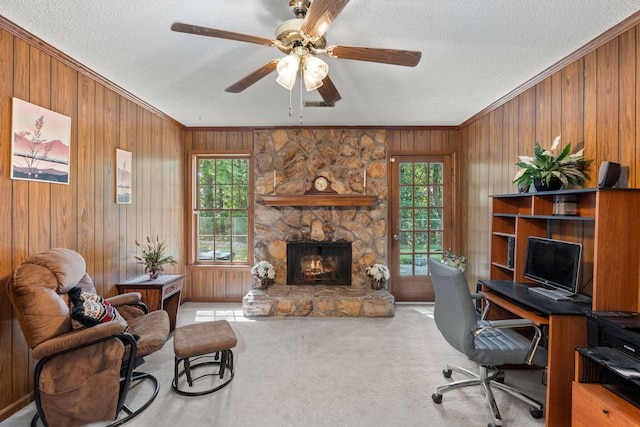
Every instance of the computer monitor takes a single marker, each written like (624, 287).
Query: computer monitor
(553, 263)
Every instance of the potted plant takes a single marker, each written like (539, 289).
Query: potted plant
(548, 171)
(263, 273)
(378, 275)
(152, 255)
(459, 262)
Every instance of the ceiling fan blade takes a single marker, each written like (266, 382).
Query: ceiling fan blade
(407, 58)
(221, 34)
(247, 81)
(320, 15)
(328, 91)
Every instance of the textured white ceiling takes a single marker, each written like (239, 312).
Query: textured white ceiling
(473, 53)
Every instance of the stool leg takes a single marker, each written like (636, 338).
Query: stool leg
(176, 365)
(230, 362)
(187, 371)
(223, 361)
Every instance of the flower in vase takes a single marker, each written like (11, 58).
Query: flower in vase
(378, 272)
(263, 270)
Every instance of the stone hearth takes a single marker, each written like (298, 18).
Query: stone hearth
(291, 158)
(318, 301)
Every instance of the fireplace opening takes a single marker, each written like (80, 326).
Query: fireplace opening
(319, 263)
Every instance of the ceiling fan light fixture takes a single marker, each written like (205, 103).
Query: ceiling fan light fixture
(286, 82)
(287, 71)
(315, 70)
(310, 83)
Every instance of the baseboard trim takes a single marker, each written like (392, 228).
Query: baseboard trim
(15, 406)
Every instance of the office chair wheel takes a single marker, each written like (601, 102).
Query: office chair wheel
(446, 373)
(535, 412)
(437, 398)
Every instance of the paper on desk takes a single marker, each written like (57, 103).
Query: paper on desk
(626, 372)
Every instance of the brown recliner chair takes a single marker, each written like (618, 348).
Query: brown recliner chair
(83, 373)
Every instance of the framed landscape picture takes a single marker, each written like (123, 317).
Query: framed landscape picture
(41, 143)
(123, 176)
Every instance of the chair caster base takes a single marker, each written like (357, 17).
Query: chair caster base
(535, 412)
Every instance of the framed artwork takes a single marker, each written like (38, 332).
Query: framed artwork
(41, 143)
(123, 176)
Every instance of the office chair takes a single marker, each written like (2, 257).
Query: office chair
(490, 343)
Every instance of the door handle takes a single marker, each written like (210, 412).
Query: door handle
(396, 237)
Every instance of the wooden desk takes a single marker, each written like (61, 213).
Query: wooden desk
(162, 293)
(566, 328)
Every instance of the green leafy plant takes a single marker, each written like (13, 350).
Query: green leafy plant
(152, 255)
(546, 165)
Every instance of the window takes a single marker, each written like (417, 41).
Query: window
(421, 215)
(222, 209)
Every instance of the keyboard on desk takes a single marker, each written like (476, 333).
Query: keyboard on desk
(555, 294)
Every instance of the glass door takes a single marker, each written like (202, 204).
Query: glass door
(420, 205)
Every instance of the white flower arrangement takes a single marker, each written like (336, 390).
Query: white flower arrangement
(459, 262)
(378, 271)
(264, 270)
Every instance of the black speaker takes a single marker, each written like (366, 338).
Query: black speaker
(608, 174)
(511, 248)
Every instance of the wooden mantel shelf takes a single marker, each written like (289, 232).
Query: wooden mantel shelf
(318, 200)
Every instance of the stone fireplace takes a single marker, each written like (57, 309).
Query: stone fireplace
(319, 263)
(291, 158)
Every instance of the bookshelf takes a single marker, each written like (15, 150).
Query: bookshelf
(607, 224)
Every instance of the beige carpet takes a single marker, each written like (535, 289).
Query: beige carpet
(329, 372)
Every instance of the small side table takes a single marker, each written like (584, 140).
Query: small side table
(162, 293)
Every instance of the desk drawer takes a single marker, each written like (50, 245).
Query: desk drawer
(174, 287)
(593, 405)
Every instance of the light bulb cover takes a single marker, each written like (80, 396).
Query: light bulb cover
(310, 83)
(315, 70)
(286, 82)
(287, 71)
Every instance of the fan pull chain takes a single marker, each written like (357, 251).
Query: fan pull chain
(301, 80)
(290, 105)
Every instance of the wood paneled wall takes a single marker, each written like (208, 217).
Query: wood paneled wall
(83, 215)
(593, 102)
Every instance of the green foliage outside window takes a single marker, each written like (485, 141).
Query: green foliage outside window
(421, 212)
(223, 209)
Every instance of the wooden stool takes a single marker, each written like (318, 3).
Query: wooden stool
(204, 340)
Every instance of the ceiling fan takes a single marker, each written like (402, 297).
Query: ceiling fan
(302, 39)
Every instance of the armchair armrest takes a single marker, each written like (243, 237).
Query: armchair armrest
(129, 304)
(124, 299)
(78, 338)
